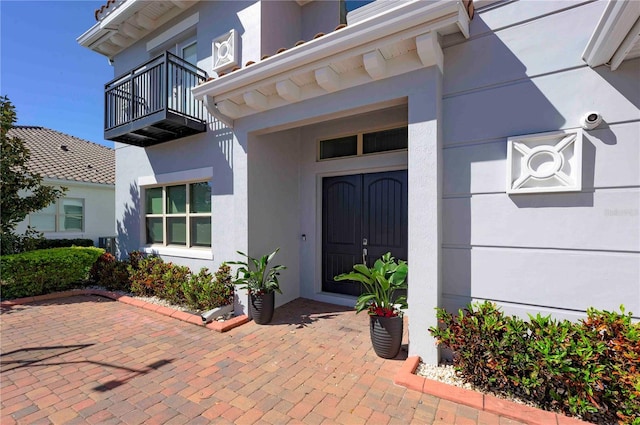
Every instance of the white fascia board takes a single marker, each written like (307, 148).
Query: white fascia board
(109, 24)
(615, 23)
(409, 15)
(90, 36)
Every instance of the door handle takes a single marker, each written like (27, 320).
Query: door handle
(364, 256)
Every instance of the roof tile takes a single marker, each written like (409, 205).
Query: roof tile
(60, 156)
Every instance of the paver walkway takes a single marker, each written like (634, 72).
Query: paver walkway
(86, 359)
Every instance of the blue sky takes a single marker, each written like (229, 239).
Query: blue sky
(52, 80)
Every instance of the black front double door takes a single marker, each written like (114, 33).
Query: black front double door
(363, 217)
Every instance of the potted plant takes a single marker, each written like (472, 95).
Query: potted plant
(261, 282)
(380, 284)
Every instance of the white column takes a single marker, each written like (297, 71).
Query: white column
(425, 197)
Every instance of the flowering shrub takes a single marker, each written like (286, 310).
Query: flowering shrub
(589, 369)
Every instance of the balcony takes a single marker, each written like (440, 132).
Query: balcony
(153, 103)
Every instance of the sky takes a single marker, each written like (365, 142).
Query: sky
(53, 81)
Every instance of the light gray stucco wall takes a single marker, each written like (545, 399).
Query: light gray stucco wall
(274, 207)
(217, 149)
(521, 72)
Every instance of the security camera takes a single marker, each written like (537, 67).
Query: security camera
(591, 120)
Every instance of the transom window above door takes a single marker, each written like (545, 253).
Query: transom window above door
(179, 215)
(364, 143)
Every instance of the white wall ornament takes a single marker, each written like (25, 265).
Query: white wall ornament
(545, 162)
(225, 51)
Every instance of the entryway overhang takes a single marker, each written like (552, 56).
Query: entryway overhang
(401, 38)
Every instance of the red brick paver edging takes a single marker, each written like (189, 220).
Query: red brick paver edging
(406, 377)
(165, 311)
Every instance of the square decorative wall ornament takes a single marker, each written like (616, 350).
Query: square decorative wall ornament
(545, 162)
(225, 51)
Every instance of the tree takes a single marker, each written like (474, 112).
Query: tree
(21, 190)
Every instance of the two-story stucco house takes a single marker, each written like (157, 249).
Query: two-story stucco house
(494, 145)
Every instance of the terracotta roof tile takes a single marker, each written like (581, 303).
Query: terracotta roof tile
(98, 12)
(60, 156)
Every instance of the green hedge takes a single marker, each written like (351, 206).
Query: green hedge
(45, 271)
(63, 243)
(589, 368)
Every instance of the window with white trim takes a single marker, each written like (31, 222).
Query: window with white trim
(64, 215)
(178, 215)
(364, 143)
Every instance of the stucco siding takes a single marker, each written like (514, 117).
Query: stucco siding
(521, 72)
(99, 210)
(274, 205)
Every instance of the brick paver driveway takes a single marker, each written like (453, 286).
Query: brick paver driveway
(86, 359)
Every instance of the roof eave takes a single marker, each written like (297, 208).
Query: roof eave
(617, 20)
(410, 14)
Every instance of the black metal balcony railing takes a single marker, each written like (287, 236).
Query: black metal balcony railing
(153, 103)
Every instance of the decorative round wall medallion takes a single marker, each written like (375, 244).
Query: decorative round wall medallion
(547, 162)
(224, 51)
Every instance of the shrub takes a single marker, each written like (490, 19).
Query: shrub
(144, 273)
(110, 273)
(45, 271)
(205, 292)
(172, 277)
(62, 243)
(588, 369)
(151, 276)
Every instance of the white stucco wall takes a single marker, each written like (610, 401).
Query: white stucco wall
(99, 210)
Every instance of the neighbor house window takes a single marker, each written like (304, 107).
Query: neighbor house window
(364, 143)
(179, 215)
(64, 215)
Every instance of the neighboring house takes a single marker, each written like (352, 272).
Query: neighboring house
(477, 144)
(86, 169)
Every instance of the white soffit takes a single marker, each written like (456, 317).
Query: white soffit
(129, 22)
(399, 40)
(617, 35)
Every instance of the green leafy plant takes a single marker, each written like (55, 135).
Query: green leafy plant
(144, 275)
(256, 276)
(380, 284)
(45, 271)
(151, 276)
(204, 291)
(588, 369)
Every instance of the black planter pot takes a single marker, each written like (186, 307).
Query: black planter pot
(386, 335)
(261, 307)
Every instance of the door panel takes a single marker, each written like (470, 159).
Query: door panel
(341, 230)
(385, 214)
(357, 207)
